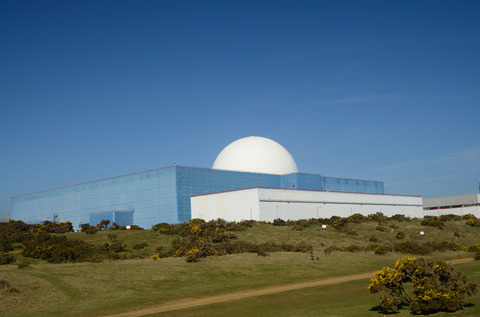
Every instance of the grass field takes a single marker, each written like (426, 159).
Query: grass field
(94, 289)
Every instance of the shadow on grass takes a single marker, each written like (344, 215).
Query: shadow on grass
(382, 311)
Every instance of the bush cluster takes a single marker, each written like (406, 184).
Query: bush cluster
(7, 259)
(408, 247)
(412, 247)
(194, 248)
(432, 221)
(53, 227)
(12, 232)
(59, 249)
(473, 222)
(88, 229)
(200, 239)
(200, 227)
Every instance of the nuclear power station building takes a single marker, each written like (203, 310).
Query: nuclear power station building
(252, 178)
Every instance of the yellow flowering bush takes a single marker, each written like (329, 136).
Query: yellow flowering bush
(436, 286)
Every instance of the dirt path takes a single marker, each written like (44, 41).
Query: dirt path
(194, 302)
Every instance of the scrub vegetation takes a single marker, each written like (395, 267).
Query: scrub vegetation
(435, 286)
(115, 270)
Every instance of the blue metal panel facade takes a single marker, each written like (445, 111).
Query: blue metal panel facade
(97, 217)
(162, 195)
(310, 181)
(352, 185)
(151, 195)
(120, 217)
(195, 181)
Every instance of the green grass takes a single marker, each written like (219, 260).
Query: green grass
(345, 299)
(93, 289)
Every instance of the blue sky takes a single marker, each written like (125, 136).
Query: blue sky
(382, 90)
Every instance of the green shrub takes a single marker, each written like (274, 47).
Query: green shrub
(353, 248)
(436, 286)
(278, 222)
(103, 224)
(411, 247)
(473, 222)
(132, 227)
(23, 264)
(58, 249)
(380, 250)
(140, 246)
(118, 246)
(432, 221)
(7, 259)
(449, 217)
(400, 235)
(330, 249)
(400, 218)
(53, 227)
(165, 228)
(356, 218)
(340, 223)
(114, 226)
(88, 229)
(377, 217)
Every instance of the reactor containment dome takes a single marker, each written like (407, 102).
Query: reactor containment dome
(256, 155)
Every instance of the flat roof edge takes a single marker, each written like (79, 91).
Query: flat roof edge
(299, 189)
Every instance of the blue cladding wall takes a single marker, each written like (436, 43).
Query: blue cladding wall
(97, 217)
(352, 185)
(151, 195)
(195, 181)
(160, 195)
(120, 217)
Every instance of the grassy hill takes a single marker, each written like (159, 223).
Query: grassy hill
(110, 286)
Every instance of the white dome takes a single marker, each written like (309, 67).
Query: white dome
(256, 155)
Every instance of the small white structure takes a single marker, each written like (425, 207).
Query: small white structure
(455, 205)
(268, 204)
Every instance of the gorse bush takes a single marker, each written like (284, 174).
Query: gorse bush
(356, 218)
(473, 222)
(53, 227)
(88, 229)
(436, 286)
(432, 221)
(103, 224)
(58, 249)
(279, 222)
(201, 239)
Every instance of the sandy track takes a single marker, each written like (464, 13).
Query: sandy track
(194, 302)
